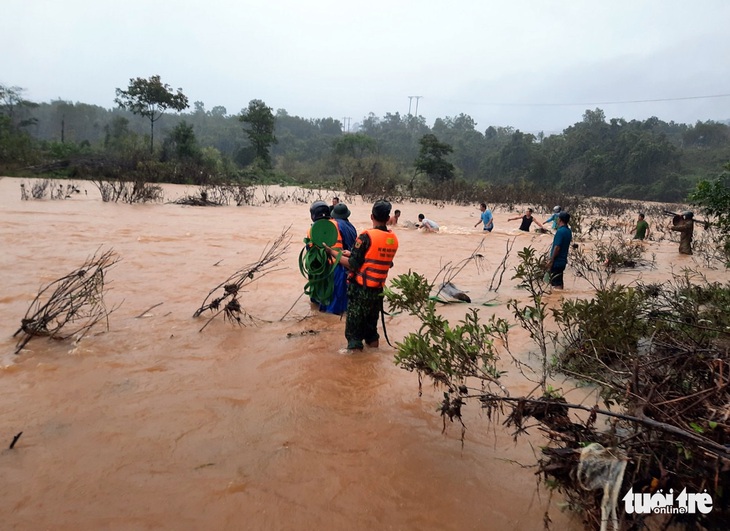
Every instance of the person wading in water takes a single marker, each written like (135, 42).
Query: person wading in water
(369, 262)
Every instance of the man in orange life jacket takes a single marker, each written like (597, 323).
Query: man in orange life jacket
(369, 262)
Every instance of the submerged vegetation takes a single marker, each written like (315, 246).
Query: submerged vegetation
(658, 357)
(70, 306)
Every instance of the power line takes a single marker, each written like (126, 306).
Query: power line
(512, 104)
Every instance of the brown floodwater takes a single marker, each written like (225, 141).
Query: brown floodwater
(155, 424)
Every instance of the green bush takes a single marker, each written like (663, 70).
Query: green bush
(600, 331)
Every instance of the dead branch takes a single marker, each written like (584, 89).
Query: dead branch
(71, 305)
(227, 301)
(148, 309)
(502, 267)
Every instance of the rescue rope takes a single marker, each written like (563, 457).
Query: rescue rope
(315, 266)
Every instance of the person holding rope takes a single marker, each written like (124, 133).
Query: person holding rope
(685, 225)
(327, 286)
(369, 262)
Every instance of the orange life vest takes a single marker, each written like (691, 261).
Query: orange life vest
(337, 245)
(378, 258)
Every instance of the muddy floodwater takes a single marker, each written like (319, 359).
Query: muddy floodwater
(154, 424)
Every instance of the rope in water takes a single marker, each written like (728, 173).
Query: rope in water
(319, 271)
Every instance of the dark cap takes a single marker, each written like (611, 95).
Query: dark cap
(340, 211)
(381, 210)
(564, 217)
(319, 210)
(688, 214)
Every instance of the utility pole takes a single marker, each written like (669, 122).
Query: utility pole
(417, 98)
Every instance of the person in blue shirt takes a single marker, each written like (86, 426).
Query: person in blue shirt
(486, 218)
(554, 217)
(559, 251)
(348, 233)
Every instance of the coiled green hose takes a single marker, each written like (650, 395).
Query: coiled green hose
(319, 272)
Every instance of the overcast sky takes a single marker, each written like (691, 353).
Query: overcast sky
(534, 65)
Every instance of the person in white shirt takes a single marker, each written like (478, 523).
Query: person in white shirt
(427, 224)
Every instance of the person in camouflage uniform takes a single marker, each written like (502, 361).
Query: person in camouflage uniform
(685, 227)
(369, 262)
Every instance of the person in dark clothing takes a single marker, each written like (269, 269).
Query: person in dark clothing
(341, 214)
(559, 252)
(369, 262)
(335, 202)
(527, 220)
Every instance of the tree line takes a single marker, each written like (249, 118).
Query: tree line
(155, 131)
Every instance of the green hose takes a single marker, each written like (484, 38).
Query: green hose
(319, 272)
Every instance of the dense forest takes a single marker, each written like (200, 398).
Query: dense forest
(649, 159)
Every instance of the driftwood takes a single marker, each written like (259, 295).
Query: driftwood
(69, 306)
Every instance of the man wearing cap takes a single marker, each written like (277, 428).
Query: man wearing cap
(554, 217)
(341, 215)
(559, 251)
(686, 228)
(369, 262)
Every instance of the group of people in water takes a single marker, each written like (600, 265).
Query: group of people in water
(682, 223)
(361, 265)
(362, 262)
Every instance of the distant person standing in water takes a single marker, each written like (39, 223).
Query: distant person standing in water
(527, 220)
(642, 228)
(559, 252)
(686, 226)
(485, 218)
(335, 202)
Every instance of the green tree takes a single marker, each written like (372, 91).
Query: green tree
(713, 197)
(259, 128)
(181, 143)
(116, 132)
(15, 107)
(356, 145)
(150, 98)
(707, 134)
(16, 145)
(355, 158)
(432, 159)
